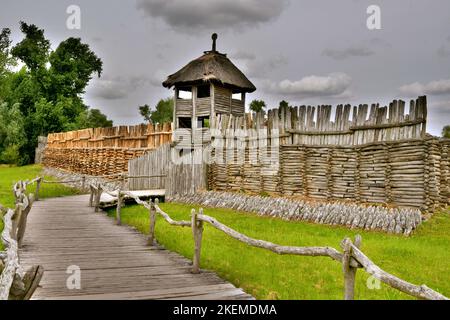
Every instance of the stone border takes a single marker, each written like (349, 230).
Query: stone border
(367, 217)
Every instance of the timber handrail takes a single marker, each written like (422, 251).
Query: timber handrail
(351, 259)
(15, 283)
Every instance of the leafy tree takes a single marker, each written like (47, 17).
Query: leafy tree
(6, 60)
(146, 112)
(72, 66)
(12, 135)
(163, 111)
(446, 132)
(48, 117)
(34, 49)
(283, 104)
(93, 118)
(257, 105)
(48, 89)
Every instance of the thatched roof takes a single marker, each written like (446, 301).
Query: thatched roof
(211, 67)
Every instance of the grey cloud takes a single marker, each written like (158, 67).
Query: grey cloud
(353, 51)
(438, 87)
(218, 14)
(443, 52)
(334, 84)
(259, 68)
(441, 107)
(115, 88)
(380, 43)
(242, 55)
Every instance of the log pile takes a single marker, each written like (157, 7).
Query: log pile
(391, 220)
(103, 151)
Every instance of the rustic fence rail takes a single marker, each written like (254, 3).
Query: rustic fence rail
(351, 259)
(16, 283)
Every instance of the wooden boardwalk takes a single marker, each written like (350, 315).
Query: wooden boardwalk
(115, 261)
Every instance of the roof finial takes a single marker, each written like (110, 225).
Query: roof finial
(214, 38)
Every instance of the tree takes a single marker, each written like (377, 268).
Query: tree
(446, 132)
(12, 135)
(71, 67)
(93, 118)
(33, 50)
(48, 89)
(163, 111)
(283, 104)
(146, 112)
(257, 105)
(6, 60)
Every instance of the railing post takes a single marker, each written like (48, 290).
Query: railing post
(122, 181)
(119, 207)
(152, 216)
(91, 197)
(348, 270)
(98, 197)
(83, 183)
(38, 187)
(197, 232)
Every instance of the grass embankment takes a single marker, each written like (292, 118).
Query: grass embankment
(423, 258)
(10, 175)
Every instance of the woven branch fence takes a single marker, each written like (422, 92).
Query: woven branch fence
(103, 151)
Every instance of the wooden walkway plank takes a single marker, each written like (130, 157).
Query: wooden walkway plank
(115, 261)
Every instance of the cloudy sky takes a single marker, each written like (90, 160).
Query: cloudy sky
(303, 51)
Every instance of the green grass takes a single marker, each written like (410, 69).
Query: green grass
(10, 175)
(423, 258)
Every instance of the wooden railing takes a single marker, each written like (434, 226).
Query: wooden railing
(351, 259)
(15, 283)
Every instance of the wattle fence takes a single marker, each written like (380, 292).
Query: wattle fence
(103, 151)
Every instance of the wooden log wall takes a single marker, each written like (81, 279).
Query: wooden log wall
(103, 151)
(381, 155)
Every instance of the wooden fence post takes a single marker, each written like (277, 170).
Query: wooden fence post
(197, 231)
(38, 187)
(22, 223)
(98, 197)
(91, 197)
(349, 271)
(119, 207)
(83, 183)
(152, 216)
(122, 181)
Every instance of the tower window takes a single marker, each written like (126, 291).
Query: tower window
(203, 122)
(184, 93)
(203, 91)
(237, 95)
(185, 123)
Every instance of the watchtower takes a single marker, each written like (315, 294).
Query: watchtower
(205, 87)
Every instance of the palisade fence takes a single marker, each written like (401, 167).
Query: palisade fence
(363, 154)
(381, 155)
(103, 151)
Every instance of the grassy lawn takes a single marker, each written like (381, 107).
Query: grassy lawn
(423, 258)
(10, 175)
